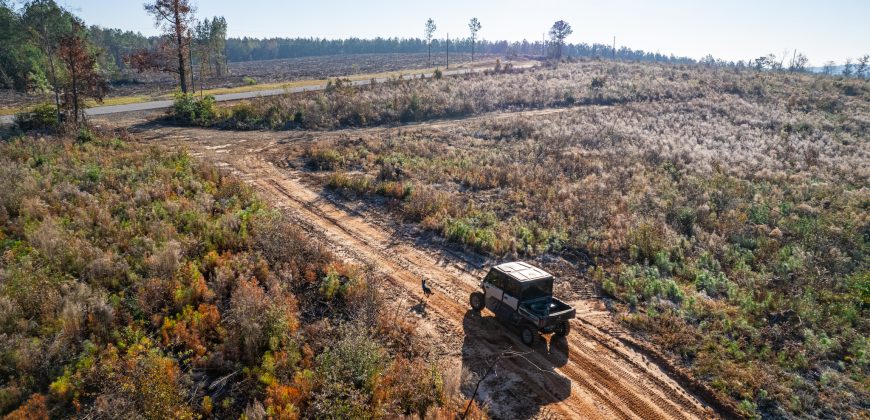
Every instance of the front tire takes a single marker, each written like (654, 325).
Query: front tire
(562, 329)
(477, 301)
(527, 335)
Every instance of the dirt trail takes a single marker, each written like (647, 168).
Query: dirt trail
(588, 375)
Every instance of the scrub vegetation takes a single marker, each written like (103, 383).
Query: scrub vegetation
(136, 282)
(723, 213)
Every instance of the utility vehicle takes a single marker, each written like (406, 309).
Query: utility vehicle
(521, 295)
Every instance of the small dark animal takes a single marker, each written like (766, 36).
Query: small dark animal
(426, 290)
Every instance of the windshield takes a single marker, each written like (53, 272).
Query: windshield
(538, 289)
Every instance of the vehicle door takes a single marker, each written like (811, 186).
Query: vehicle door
(493, 285)
(512, 290)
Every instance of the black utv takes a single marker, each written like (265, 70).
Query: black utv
(521, 295)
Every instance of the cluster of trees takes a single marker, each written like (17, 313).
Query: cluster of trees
(795, 62)
(183, 37)
(46, 48)
(858, 68)
(34, 34)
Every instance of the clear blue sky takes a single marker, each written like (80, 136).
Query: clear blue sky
(733, 30)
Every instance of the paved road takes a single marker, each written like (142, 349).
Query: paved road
(148, 106)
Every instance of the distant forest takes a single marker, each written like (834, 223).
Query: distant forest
(118, 43)
(247, 49)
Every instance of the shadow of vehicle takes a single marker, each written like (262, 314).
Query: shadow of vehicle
(523, 380)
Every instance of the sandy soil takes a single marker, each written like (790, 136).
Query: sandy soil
(593, 373)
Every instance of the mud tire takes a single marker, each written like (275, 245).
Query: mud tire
(477, 301)
(528, 335)
(562, 329)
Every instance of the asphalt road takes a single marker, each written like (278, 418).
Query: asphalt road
(153, 105)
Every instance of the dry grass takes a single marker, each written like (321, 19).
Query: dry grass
(726, 210)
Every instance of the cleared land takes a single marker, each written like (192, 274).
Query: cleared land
(714, 218)
(589, 375)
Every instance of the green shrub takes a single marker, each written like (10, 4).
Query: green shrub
(325, 159)
(187, 109)
(85, 135)
(248, 80)
(645, 241)
(41, 117)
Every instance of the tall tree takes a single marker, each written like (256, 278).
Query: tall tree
(430, 32)
(83, 80)
(202, 46)
(862, 69)
(218, 42)
(473, 27)
(558, 32)
(47, 23)
(848, 68)
(174, 17)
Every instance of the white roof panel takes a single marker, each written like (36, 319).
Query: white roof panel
(522, 271)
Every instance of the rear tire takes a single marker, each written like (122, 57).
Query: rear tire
(477, 301)
(562, 329)
(527, 335)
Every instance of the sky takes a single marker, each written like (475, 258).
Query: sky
(731, 30)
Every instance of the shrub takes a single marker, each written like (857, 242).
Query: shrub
(248, 80)
(597, 82)
(645, 241)
(85, 135)
(187, 109)
(325, 159)
(41, 117)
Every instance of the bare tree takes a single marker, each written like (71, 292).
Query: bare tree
(474, 27)
(828, 68)
(174, 16)
(798, 63)
(558, 32)
(83, 78)
(430, 32)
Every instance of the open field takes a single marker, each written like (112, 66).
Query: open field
(589, 375)
(721, 215)
(268, 74)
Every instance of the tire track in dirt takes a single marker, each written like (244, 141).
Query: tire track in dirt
(607, 379)
(589, 372)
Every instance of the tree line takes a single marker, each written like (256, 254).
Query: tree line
(31, 35)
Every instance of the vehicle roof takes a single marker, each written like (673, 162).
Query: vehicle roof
(522, 271)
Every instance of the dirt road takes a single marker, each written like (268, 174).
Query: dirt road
(590, 374)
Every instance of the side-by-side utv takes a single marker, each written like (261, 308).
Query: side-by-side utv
(521, 295)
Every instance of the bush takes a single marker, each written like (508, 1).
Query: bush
(189, 110)
(85, 135)
(41, 117)
(248, 80)
(597, 82)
